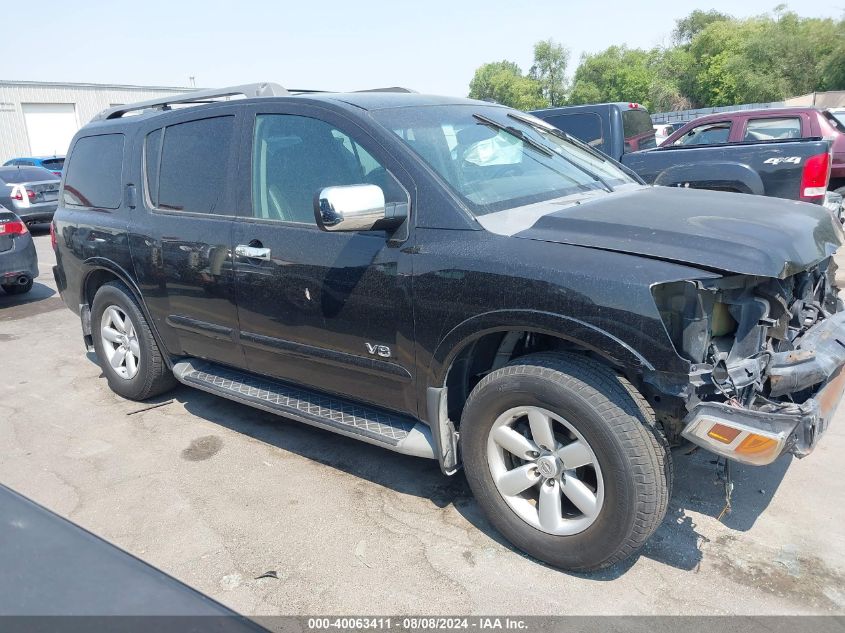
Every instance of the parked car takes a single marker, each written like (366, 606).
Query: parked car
(31, 192)
(18, 259)
(454, 280)
(795, 169)
(50, 163)
(662, 131)
(839, 113)
(774, 124)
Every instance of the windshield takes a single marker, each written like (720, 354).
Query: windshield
(494, 161)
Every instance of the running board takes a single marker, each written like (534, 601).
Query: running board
(371, 425)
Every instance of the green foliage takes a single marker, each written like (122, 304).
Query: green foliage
(716, 60)
(550, 61)
(503, 82)
(764, 59)
(687, 28)
(625, 74)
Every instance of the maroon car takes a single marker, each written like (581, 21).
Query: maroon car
(767, 125)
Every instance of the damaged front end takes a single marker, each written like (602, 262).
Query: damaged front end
(766, 360)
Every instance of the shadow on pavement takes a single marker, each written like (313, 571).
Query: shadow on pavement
(37, 301)
(676, 543)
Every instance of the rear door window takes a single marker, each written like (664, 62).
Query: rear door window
(707, 134)
(94, 172)
(191, 172)
(585, 127)
(770, 129)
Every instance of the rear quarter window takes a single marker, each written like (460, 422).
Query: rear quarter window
(93, 175)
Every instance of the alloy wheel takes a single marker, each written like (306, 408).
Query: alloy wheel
(120, 342)
(545, 470)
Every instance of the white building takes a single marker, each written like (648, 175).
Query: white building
(40, 118)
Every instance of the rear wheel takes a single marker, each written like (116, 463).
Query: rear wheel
(564, 461)
(126, 349)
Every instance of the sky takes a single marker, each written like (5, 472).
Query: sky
(430, 46)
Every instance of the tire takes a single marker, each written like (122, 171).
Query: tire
(587, 404)
(151, 376)
(17, 289)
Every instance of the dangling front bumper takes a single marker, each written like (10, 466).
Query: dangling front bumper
(758, 437)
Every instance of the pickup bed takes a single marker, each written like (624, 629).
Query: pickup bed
(794, 169)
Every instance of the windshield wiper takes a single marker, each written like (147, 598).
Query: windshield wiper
(566, 137)
(517, 133)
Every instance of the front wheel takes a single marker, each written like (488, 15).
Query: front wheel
(564, 460)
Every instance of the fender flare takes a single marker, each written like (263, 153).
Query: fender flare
(94, 264)
(715, 175)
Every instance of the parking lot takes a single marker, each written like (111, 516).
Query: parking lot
(217, 494)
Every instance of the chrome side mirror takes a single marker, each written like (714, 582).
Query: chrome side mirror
(356, 208)
(349, 208)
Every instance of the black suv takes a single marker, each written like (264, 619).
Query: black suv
(458, 281)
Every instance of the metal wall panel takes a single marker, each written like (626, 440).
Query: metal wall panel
(87, 99)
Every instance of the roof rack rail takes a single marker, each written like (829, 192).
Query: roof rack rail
(390, 89)
(263, 89)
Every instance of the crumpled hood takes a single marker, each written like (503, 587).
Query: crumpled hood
(731, 232)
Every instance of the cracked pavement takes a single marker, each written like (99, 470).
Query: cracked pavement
(216, 494)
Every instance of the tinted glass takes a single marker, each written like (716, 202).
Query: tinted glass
(638, 130)
(707, 134)
(772, 128)
(194, 158)
(505, 162)
(53, 163)
(295, 157)
(585, 127)
(17, 175)
(93, 173)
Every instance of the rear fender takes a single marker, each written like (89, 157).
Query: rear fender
(95, 264)
(722, 176)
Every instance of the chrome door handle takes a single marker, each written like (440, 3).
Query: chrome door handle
(252, 252)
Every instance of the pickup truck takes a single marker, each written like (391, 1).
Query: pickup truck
(458, 281)
(795, 169)
(768, 125)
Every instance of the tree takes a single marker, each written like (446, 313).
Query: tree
(764, 59)
(619, 73)
(503, 82)
(549, 69)
(687, 28)
(716, 60)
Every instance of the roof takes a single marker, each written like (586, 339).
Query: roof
(367, 100)
(730, 114)
(384, 100)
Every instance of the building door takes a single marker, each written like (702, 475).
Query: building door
(49, 127)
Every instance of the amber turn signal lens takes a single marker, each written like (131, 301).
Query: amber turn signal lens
(756, 444)
(723, 433)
